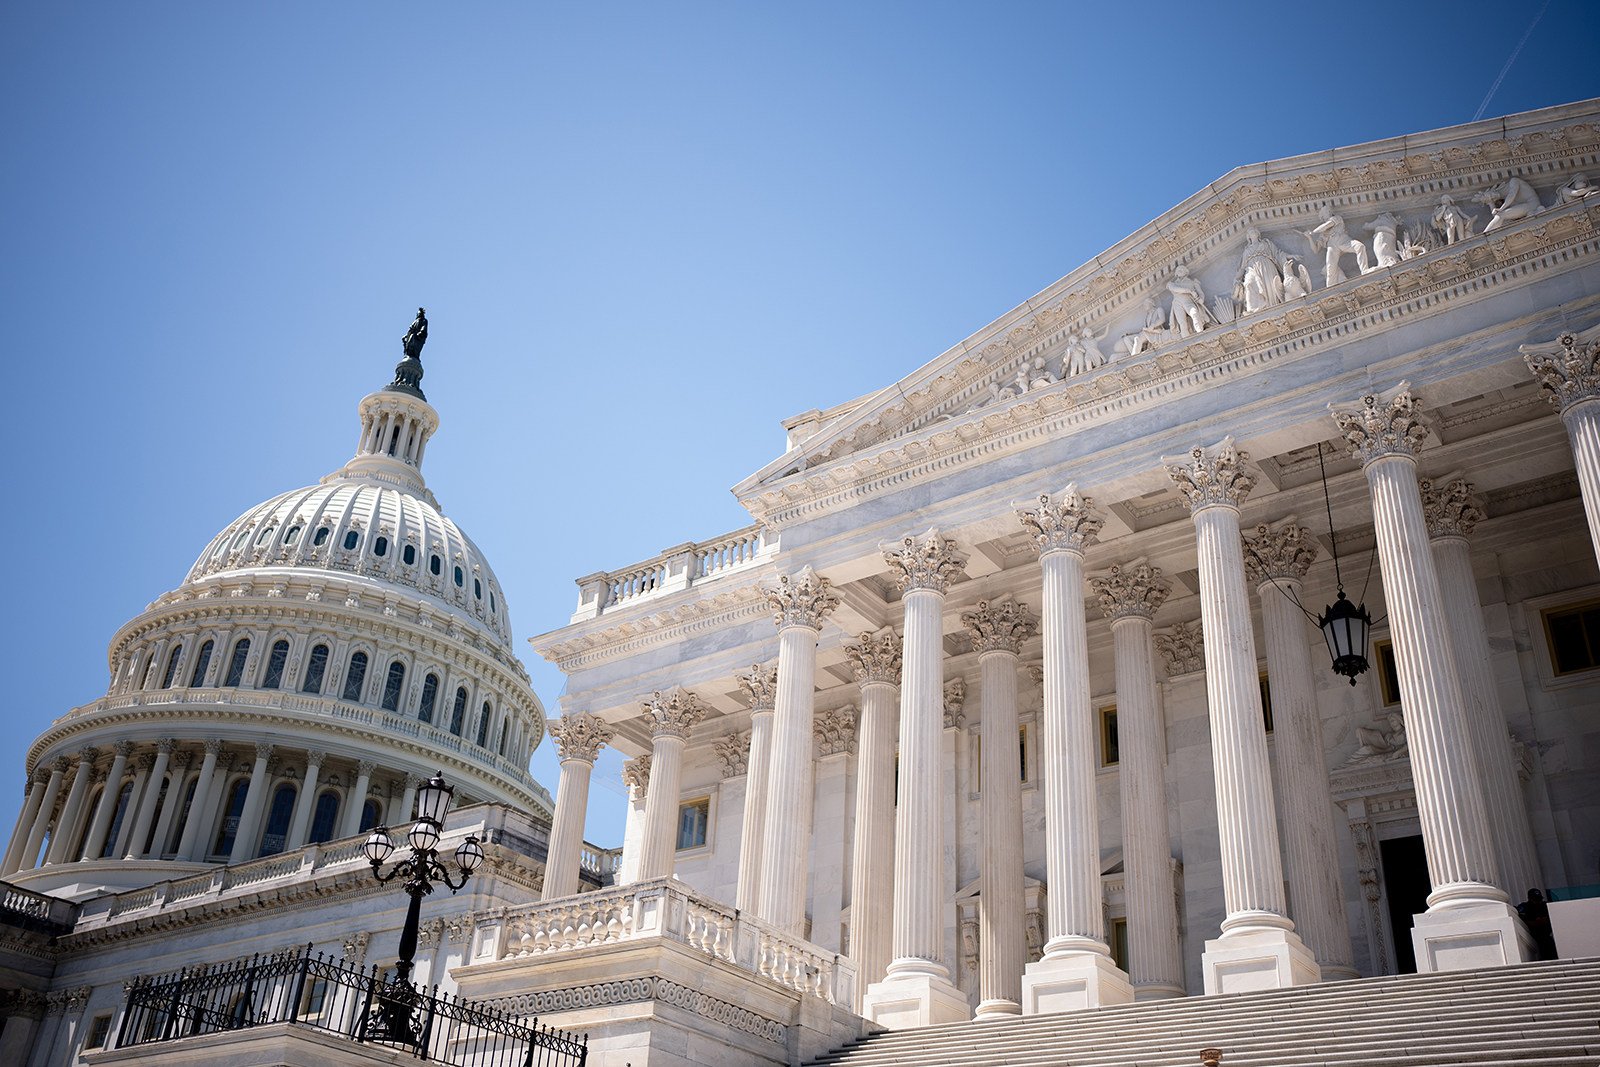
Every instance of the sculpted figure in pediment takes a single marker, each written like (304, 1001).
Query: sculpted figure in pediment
(1260, 281)
(1331, 238)
(1083, 353)
(1189, 314)
(1294, 281)
(1039, 376)
(1153, 333)
(1577, 189)
(1511, 202)
(1385, 240)
(1451, 221)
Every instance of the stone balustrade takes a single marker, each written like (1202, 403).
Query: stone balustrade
(666, 908)
(672, 570)
(602, 863)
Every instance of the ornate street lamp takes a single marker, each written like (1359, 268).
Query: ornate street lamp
(421, 869)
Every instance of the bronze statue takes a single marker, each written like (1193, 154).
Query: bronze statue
(416, 336)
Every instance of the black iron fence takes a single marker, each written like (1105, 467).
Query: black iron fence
(326, 993)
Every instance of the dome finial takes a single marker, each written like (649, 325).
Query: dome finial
(408, 372)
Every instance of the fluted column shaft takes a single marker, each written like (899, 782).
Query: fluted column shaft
(566, 829)
(1155, 963)
(192, 846)
(1568, 369)
(171, 806)
(918, 941)
(41, 822)
(1510, 836)
(304, 804)
(1311, 853)
(244, 838)
(148, 801)
(408, 800)
(757, 773)
(786, 826)
(25, 820)
(1583, 430)
(658, 848)
(1002, 941)
(872, 857)
(350, 818)
(94, 842)
(71, 813)
(130, 815)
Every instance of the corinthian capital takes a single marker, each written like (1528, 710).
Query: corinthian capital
(1382, 424)
(926, 562)
(834, 731)
(673, 713)
(636, 774)
(1183, 647)
(1131, 591)
(733, 752)
(804, 599)
(1287, 552)
(875, 657)
(580, 736)
(999, 626)
(1451, 507)
(1066, 523)
(1568, 367)
(1208, 477)
(761, 683)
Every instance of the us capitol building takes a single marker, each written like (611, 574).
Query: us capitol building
(1007, 718)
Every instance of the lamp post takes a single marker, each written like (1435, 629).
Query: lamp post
(421, 869)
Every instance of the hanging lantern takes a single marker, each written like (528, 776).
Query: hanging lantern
(1345, 627)
(433, 799)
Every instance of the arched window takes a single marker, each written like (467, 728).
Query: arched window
(182, 822)
(430, 693)
(477, 589)
(291, 535)
(380, 547)
(352, 539)
(172, 666)
(266, 532)
(277, 659)
(435, 564)
(83, 834)
(394, 440)
(322, 537)
(503, 726)
(459, 712)
(355, 676)
(316, 667)
(241, 652)
(460, 578)
(149, 842)
(124, 796)
(483, 726)
(201, 662)
(408, 555)
(278, 816)
(371, 812)
(325, 817)
(392, 685)
(491, 601)
(230, 818)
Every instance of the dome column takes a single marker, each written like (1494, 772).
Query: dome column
(408, 799)
(244, 837)
(579, 739)
(147, 802)
(37, 788)
(671, 718)
(192, 846)
(41, 823)
(181, 762)
(300, 822)
(142, 764)
(762, 685)
(95, 843)
(72, 812)
(350, 821)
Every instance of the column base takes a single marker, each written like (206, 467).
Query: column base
(912, 1001)
(1073, 982)
(1259, 958)
(1142, 993)
(1479, 935)
(997, 1009)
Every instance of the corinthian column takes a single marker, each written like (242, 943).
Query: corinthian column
(25, 819)
(1276, 561)
(1130, 596)
(192, 846)
(799, 604)
(761, 683)
(245, 841)
(95, 843)
(917, 990)
(1258, 948)
(671, 717)
(148, 801)
(875, 662)
(998, 630)
(1076, 971)
(1569, 369)
(1468, 922)
(579, 739)
(41, 822)
(1451, 513)
(72, 812)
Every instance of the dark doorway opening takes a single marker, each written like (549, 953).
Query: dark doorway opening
(1405, 880)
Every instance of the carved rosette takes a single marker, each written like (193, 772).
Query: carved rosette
(926, 562)
(1287, 552)
(761, 685)
(1131, 591)
(834, 732)
(1183, 648)
(999, 626)
(875, 657)
(580, 736)
(1212, 477)
(636, 774)
(804, 599)
(733, 752)
(1451, 507)
(1383, 424)
(1568, 368)
(1066, 523)
(674, 713)
(955, 700)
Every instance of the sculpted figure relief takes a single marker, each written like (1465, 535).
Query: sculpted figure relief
(1511, 202)
(1452, 223)
(1577, 189)
(1154, 331)
(1296, 280)
(1335, 241)
(1189, 314)
(1385, 239)
(1083, 353)
(1260, 282)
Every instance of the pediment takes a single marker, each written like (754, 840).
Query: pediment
(1254, 248)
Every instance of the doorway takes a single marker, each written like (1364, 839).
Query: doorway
(1405, 880)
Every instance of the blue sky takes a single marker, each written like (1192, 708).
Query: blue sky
(645, 235)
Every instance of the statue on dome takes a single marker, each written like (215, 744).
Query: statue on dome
(416, 336)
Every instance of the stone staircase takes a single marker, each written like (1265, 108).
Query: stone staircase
(1535, 1015)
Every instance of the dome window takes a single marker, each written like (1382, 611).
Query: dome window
(371, 812)
(291, 535)
(266, 532)
(477, 588)
(483, 725)
(201, 662)
(408, 555)
(430, 693)
(241, 654)
(172, 666)
(459, 712)
(326, 815)
(460, 578)
(491, 601)
(352, 539)
(434, 564)
(355, 676)
(380, 547)
(321, 538)
(392, 685)
(276, 661)
(316, 667)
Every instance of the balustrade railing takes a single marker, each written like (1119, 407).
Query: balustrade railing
(35, 911)
(600, 863)
(669, 909)
(674, 569)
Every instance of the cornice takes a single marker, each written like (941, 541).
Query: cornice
(726, 608)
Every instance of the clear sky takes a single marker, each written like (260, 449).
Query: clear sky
(645, 234)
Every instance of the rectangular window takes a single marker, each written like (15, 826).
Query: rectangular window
(1109, 756)
(1266, 703)
(1119, 943)
(1022, 752)
(1573, 634)
(693, 818)
(99, 1030)
(1388, 674)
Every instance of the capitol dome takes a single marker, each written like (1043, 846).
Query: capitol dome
(328, 650)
